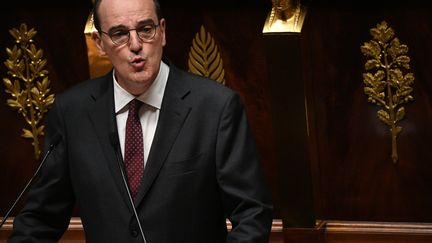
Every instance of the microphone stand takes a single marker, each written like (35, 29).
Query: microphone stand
(114, 143)
(56, 140)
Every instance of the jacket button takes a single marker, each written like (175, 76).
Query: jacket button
(134, 232)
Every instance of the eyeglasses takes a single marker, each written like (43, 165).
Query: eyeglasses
(120, 36)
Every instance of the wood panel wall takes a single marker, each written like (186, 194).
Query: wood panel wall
(59, 27)
(353, 174)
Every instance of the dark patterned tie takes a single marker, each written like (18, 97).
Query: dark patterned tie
(134, 149)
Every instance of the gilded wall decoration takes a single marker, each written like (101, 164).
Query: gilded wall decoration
(28, 83)
(387, 78)
(285, 16)
(98, 64)
(204, 57)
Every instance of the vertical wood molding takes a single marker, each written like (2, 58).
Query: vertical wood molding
(290, 126)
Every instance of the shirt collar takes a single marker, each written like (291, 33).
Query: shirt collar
(152, 97)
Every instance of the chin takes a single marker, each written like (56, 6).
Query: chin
(141, 78)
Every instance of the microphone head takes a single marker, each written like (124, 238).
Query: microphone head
(55, 140)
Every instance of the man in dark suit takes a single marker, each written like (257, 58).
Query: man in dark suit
(196, 160)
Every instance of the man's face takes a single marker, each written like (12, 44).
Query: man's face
(136, 63)
(281, 4)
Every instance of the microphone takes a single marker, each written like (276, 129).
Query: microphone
(115, 144)
(54, 141)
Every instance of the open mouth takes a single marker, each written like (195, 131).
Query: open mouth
(137, 62)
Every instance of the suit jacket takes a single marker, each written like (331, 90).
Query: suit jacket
(202, 168)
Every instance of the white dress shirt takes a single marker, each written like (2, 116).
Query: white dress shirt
(149, 111)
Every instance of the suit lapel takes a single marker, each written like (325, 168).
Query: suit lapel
(102, 115)
(172, 115)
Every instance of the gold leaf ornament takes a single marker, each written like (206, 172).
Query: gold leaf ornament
(387, 78)
(28, 84)
(204, 57)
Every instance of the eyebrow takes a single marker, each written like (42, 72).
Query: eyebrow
(140, 23)
(147, 21)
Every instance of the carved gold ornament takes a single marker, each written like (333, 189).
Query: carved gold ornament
(28, 83)
(204, 57)
(286, 16)
(385, 81)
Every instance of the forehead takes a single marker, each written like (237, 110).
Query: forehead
(128, 13)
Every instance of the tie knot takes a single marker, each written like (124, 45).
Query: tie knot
(134, 106)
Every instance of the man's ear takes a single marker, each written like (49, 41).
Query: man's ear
(99, 43)
(162, 29)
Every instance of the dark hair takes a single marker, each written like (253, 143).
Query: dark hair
(96, 20)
